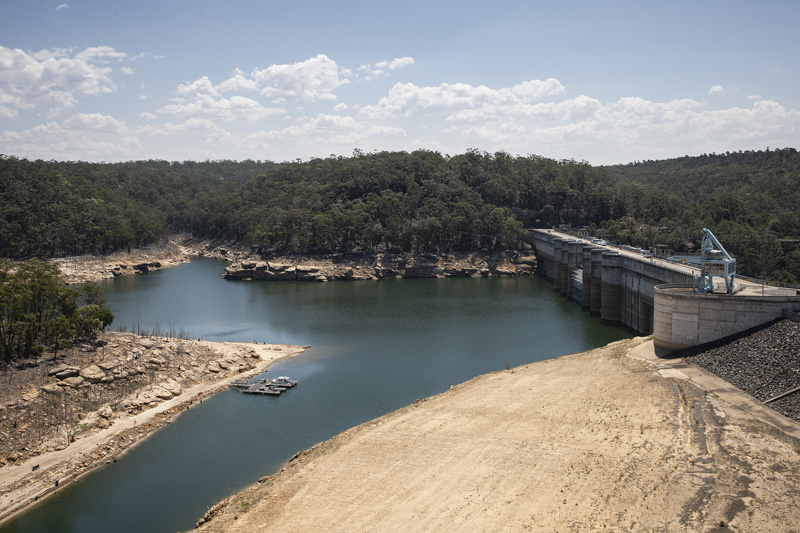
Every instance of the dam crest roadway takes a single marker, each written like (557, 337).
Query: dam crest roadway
(650, 295)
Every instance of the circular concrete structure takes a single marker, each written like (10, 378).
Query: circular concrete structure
(684, 318)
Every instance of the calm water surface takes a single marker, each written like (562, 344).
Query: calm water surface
(376, 347)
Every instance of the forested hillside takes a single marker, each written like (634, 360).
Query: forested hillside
(50, 208)
(418, 201)
(750, 200)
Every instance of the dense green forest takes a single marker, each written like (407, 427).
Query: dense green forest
(418, 201)
(37, 310)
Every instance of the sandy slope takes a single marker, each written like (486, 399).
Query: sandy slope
(607, 440)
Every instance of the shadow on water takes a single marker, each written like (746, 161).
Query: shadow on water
(376, 347)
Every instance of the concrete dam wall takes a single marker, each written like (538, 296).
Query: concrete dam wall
(652, 296)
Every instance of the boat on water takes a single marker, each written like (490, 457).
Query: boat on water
(272, 387)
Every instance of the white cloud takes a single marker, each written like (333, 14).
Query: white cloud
(379, 69)
(237, 83)
(102, 54)
(128, 71)
(719, 89)
(61, 6)
(754, 97)
(94, 121)
(53, 77)
(340, 106)
(405, 99)
(233, 108)
(54, 141)
(397, 62)
(313, 79)
(148, 116)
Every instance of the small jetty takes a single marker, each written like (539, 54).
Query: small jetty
(272, 387)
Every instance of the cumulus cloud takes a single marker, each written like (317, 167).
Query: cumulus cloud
(55, 141)
(94, 121)
(233, 108)
(720, 90)
(405, 99)
(53, 77)
(379, 69)
(128, 71)
(313, 79)
(61, 6)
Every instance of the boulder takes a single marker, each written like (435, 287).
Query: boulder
(73, 382)
(164, 394)
(68, 372)
(278, 267)
(51, 388)
(58, 369)
(108, 365)
(92, 374)
(147, 342)
(172, 387)
(307, 272)
(234, 272)
(505, 271)
(105, 412)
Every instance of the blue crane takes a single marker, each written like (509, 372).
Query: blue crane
(713, 261)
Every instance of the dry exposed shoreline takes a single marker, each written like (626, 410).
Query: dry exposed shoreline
(611, 439)
(179, 373)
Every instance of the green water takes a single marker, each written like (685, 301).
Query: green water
(377, 346)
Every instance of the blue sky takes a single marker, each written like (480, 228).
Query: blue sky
(602, 81)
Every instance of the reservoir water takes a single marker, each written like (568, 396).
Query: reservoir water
(376, 347)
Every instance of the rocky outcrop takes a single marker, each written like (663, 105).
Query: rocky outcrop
(119, 376)
(385, 265)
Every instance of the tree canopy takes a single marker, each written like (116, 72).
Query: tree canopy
(417, 201)
(37, 310)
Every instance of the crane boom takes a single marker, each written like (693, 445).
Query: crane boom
(714, 260)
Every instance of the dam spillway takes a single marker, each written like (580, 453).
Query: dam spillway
(649, 295)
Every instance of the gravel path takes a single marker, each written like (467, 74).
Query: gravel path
(764, 363)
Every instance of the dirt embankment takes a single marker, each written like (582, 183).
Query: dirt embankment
(60, 419)
(611, 439)
(170, 251)
(247, 264)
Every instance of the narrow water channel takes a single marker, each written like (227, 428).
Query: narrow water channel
(376, 347)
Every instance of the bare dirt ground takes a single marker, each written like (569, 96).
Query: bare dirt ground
(106, 397)
(608, 440)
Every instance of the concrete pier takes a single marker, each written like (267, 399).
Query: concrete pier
(586, 261)
(611, 289)
(597, 280)
(556, 245)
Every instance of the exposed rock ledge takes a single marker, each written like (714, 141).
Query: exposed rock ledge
(60, 419)
(362, 266)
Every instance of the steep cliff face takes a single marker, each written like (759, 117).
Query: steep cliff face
(388, 265)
